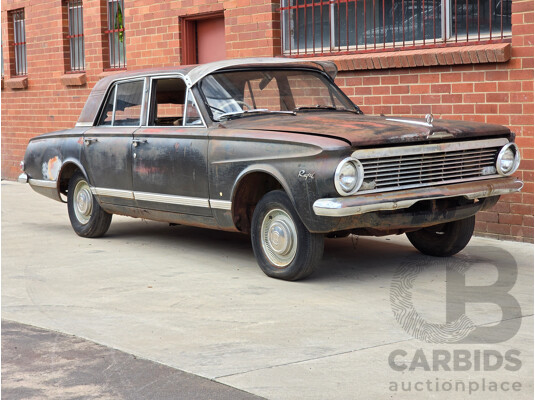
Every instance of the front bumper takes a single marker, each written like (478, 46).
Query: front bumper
(23, 178)
(388, 201)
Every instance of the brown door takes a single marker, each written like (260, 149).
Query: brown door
(210, 40)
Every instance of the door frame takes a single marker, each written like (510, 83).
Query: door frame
(188, 26)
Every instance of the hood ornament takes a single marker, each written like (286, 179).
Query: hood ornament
(429, 119)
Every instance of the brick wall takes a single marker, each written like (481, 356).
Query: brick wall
(472, 85)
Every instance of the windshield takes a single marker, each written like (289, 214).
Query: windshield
(237, 93)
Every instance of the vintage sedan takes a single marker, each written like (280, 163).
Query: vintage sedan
(273, 148)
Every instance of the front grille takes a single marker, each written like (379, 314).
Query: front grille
(417, 167)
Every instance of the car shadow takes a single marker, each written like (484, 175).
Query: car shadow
(353, 257)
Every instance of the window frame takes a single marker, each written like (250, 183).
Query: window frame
(110, 32)
(20, 65)
(188, 93)
(113, 88)
(448, 35)
(75, 31)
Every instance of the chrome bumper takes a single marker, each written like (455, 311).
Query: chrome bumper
(23, 178)
(355, 205)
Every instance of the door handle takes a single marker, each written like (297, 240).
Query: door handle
(137, 142)
(88, 141)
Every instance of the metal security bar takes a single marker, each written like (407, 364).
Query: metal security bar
(116, 34)
(19, 43)
(318, 27)
(76, 35)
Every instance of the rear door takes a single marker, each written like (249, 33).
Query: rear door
(107, 153)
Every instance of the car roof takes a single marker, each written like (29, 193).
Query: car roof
(193, 74)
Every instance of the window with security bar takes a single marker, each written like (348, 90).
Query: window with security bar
(76, 35)
(343, 26)
(2, 54)
(19, 41)
(116, 34)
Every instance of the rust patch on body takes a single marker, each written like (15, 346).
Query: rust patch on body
(51, 168)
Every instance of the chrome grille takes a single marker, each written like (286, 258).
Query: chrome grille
(426, 165)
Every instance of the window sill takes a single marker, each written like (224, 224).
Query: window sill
(77, 79)
(472, 54)
(18, 83)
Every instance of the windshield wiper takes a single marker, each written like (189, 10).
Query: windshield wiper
(320, 107)
(238, 114)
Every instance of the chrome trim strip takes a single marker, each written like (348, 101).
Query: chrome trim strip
(427, 185)
(43, 183)
(170, 199)
(221, 204)
(356, 205)
(409, 121)
(427, 148)
(83, 124)
(23, 178)
(105, 192)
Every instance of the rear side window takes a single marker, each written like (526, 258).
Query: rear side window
(123, 105)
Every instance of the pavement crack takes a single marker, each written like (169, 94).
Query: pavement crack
(313, 358)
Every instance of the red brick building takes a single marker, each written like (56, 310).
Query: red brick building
(469, 60)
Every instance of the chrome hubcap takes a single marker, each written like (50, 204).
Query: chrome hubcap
(83, 202)
(279, 237)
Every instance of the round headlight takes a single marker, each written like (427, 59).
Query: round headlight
(348, 176)
(508, 159)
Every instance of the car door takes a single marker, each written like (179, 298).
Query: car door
(107, 152)
(169, 166)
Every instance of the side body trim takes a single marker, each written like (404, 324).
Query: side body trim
(168, 199)
(163, 198)
(43, 183)
(105, 192)
(221, 204)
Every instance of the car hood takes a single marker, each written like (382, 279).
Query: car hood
(362, 130)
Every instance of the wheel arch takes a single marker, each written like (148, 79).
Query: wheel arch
(69, 167)
(251, 185)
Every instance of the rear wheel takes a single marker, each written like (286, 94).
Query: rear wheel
(443, 240)
(283, 246)
(87, 218)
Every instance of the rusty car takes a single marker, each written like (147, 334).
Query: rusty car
(273, 148)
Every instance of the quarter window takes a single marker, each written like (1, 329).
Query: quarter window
(116, 34)
(318, 26)
(76, 35)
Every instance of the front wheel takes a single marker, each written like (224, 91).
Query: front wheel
(443, 240)
(283, 246)
(87, 218)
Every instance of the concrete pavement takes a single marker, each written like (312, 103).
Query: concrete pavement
(41, 364)
(195, 300)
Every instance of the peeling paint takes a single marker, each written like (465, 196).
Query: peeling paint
(51, 168)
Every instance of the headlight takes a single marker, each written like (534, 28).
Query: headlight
(348, 176)
(508, 159)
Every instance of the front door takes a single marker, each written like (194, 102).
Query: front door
(169, 166)
(107, 151)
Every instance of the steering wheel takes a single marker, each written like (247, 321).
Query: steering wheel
(243, 104)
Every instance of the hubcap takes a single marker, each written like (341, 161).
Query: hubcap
(83, 202)
(279, 237)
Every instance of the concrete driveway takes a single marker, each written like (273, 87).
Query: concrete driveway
(195, 300)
